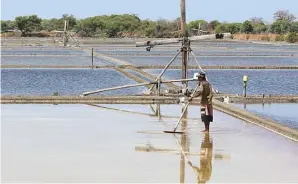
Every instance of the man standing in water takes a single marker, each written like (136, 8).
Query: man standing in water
(205, 91)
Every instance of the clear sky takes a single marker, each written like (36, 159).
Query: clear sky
(231, 10)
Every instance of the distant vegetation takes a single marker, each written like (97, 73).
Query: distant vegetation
(127, 25)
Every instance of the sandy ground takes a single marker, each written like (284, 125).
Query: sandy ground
(81, 143)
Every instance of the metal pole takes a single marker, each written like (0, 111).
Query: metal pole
(185, 108)
(179, 80)
(245, 80)
(244, 90)
(114, 88)
(135, 85)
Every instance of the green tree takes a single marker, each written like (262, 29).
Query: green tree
(117, 24)
(259, 28)
(72, 21)
(221, 28)
(84, 28)
(92, 26)
(258, 25)
(247, 27)
(292, 37)
(111, 26)
(58, 24)
(233, 28)
(284, 22)
(213, 24)
(166, 28)
(198, 24)
(294, 27)
(28, 24)
(147, 28)
(280, 27)
(49, 24)
(112, 29)
(4, 26)
(161, 28)
(7, 25)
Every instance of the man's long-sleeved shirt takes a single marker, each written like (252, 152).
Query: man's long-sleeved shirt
(205, 91)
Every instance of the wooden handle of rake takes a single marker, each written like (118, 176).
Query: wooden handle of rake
(178, 122)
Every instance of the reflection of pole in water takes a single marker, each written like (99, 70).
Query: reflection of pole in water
(158, 112)
(244, 105)
(184, 144)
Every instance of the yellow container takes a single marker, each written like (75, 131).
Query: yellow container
(245, 78)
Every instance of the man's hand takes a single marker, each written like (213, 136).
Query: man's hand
(186, 92)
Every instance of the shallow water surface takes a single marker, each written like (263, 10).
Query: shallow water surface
(63, 81)
(110, 143)
(209, 53)
(212, 61)
(53, 61)
(40, 52)
(275, 82)
(284, 113)
(76, 81)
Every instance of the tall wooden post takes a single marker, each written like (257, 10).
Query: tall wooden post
(183, 18)
(184, 55)
(184, 43)
(92, 56)
(65, 33)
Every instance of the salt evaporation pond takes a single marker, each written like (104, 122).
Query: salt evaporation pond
(284, 113)
(64, 81)
(82, 144)
(75, 81)
(274, 82)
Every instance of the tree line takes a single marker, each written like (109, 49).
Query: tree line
(128, 25)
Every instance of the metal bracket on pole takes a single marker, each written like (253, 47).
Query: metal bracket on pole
(149, 47)
(158, 87)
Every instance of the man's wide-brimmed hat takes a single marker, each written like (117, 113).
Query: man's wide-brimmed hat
(202, 75)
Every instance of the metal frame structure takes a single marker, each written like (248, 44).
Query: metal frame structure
(185, 50)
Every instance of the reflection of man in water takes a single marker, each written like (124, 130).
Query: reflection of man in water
(205, 170)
